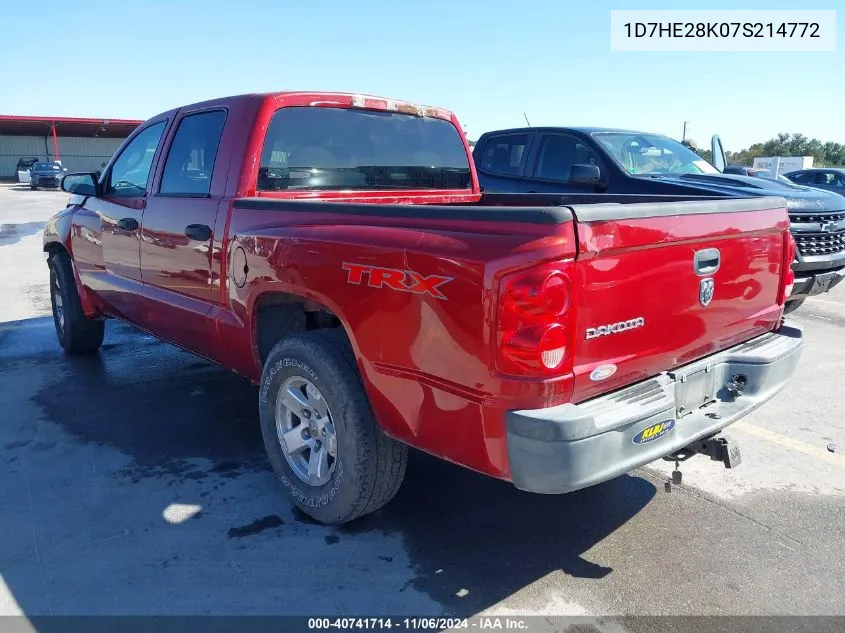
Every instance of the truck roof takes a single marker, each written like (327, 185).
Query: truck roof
(318, 97)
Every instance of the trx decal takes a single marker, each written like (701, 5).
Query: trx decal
(396, 279)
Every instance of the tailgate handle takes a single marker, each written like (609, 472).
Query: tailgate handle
(707, 261)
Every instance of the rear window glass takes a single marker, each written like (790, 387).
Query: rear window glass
(311, 148)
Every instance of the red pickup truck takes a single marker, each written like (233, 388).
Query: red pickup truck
(336, 249)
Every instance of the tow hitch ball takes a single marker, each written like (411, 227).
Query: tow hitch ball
(720, 449)
(736, 386)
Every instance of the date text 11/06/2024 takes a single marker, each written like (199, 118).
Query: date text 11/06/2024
(424, 623)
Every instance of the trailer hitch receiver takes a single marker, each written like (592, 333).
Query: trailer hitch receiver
(719, 449)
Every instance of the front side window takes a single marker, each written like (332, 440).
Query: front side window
(831, 178)
(313, 148)
(190, 160)
(131, 170)
(652, 154)
(558, 153)
(505, 155)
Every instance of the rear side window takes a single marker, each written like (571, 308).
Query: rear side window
(312, 148)
(505, 155)
(190, 160)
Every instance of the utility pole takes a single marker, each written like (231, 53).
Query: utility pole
(526, 119)
(684, 137)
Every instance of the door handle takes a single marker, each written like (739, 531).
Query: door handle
(198, 232)
(127, 224)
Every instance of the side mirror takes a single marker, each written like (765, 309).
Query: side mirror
(585, 174)
(718, 153)
(82, 184)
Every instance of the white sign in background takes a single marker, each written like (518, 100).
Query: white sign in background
(747, 31)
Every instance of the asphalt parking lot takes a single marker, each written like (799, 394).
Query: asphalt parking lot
(134, 482)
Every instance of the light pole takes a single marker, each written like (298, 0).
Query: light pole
(684, 137)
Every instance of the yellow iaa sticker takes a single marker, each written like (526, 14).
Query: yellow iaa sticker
(654, 432)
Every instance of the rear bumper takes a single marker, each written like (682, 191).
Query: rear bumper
(573, 446)
(810, 284)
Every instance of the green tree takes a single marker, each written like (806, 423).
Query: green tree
(784, 144)
(691, 145)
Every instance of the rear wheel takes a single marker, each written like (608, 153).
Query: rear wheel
(320, 433)
(793, 305)
(77, 334)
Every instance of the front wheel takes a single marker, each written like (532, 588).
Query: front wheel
(320, 433)
(77, 333)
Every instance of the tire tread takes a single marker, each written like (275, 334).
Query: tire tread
(379, 484)
(81, 335)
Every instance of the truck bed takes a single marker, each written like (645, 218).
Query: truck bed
(628, 256)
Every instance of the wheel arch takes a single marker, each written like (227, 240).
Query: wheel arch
(54, 247)
(277, 311)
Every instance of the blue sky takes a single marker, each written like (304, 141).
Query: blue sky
(489, 61)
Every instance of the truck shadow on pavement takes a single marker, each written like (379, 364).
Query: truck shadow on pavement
(188, 430)
(12, 233)
(494, 539)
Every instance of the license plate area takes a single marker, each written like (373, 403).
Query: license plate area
(694, 390)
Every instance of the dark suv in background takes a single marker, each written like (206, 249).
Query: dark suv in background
(602, 160)
(830, 178)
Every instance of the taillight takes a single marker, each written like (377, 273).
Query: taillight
(534, 325)
(788, 282)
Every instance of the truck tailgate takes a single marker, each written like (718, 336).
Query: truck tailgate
(661, 285)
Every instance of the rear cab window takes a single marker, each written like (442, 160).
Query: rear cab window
(310, 148)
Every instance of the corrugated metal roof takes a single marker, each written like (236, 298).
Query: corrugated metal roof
(17, 125)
